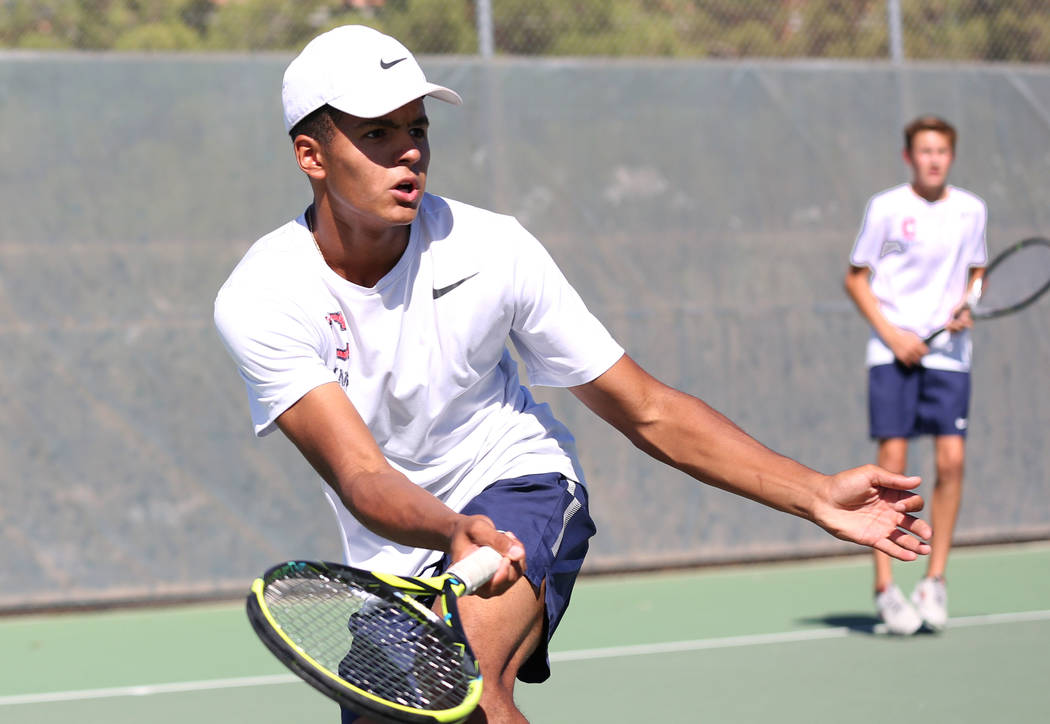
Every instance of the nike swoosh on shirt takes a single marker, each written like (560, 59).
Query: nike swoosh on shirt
(445, 290)
(387, 66)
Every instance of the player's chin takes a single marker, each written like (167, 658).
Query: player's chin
(402, 215)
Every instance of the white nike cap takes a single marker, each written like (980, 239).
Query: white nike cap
(357, 70)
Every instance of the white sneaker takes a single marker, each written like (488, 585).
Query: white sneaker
(931, 602)
(898, 615)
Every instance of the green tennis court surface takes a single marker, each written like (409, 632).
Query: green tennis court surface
(788, 642)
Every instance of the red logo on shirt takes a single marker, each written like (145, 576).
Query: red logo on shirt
(908, 229)
(343, 353)
(336, 318)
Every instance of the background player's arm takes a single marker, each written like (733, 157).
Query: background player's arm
(331, 435)
(961, 318)
(865, 505)
(906, 346)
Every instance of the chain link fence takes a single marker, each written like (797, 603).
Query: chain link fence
(953, 30)
(134, 182)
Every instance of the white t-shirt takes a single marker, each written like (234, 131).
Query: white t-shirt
(920, 254)
(422, 355)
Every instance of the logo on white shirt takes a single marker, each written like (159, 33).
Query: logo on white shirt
(337, 319)
(445, 290)
(891, 246)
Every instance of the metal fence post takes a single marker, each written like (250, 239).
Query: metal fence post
(893, 11)
(483, 13)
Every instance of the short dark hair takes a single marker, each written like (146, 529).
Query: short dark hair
(929, 123)
(318, 125)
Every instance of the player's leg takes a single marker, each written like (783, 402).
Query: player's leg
(946, 500)
(893, 456)
(892, 406)
(943, 411)
(509, 633)
(504, 632)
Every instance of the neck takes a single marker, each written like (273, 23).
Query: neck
(935, 193)
(359, 256)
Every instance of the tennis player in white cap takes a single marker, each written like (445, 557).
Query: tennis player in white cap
(373, 331)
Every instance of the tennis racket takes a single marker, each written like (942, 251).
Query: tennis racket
(366, 639)
(1016, 277)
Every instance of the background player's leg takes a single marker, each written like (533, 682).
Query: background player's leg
(893, 455)
(893, 607)
(946, 498)
(930, 596)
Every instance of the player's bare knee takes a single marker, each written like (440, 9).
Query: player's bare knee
(950, 462)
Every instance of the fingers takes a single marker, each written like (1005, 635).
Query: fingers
(886, 479)
(908, 503)
(903, 546)
(895, 551)
(477, 531)
(919, 528)
(514, 552)
(511, 568)
(908, 540)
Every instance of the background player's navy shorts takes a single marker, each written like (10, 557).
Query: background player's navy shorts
(549, 515)
(909, 401)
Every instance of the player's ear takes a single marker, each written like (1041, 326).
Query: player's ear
(309, 155)
(906, 155)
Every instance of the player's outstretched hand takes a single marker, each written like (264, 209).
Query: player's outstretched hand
(476, 531)
(873, 507)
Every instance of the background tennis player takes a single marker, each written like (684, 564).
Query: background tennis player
(921, 247)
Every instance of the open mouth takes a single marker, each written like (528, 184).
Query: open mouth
(407, 192)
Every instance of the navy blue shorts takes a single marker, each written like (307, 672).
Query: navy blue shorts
(549, 515)
(910, 401)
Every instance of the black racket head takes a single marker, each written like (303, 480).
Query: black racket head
(1016, 277)
(364, 643)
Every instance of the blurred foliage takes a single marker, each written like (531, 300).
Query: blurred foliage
(998, 30)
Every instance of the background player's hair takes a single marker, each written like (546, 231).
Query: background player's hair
(318, 125)
(929, 123)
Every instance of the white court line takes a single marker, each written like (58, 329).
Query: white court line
(611, 652)
(149, 689)
(787, 637)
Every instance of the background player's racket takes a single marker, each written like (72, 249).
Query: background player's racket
(364, 639)
(1016, 277)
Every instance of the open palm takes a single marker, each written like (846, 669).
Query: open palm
(873, 507)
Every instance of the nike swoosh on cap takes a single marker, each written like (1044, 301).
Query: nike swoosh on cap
(445, 290)
(386, 66)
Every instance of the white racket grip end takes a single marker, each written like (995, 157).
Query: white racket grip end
(476, 569)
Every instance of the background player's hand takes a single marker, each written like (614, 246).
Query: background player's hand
(907, 347)
(961, 319)
(872, 506)
(475, 531)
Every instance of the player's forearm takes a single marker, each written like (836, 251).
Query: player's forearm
(392, 506)
(701, 442)
(859, 290)
(333, 438)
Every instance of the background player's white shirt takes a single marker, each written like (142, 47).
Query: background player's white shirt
(422, 355)
(920, 254)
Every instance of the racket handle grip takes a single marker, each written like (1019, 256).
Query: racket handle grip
(475, 570)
